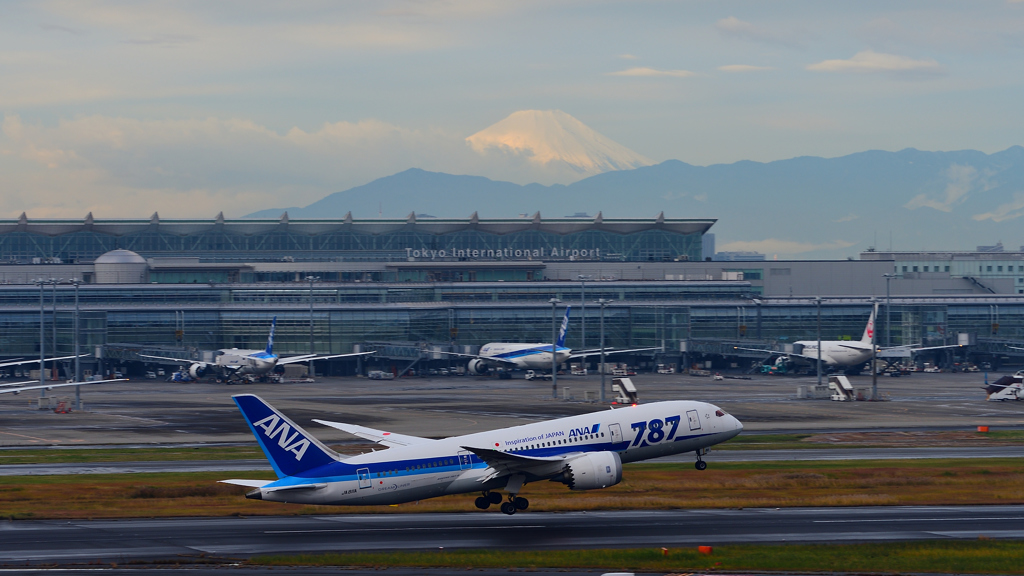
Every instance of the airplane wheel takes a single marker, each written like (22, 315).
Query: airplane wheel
(482, 503)
(700, 465)
(521, 503)
(508, 508)
(494, 497)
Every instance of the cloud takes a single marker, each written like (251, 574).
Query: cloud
(644, 71)
(776, 246)
(1009, 211)
(961, 182)
(744, 68)
(871, 61)
(847, 218)
(737, 28)
(123, 167)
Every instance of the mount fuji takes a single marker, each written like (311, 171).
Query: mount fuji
(553, 139)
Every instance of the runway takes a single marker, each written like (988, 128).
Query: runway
(809, 454)
(122, 540)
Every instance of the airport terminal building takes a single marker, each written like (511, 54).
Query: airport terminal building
(409, 287)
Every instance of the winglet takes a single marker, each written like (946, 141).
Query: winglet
(564, 329)
(270, 339)
(290, 449)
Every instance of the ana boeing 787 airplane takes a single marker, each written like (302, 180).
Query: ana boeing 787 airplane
(584, 452)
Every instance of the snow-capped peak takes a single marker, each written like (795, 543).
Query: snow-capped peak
(546, 136)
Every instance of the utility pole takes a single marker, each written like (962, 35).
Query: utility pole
(554, 346)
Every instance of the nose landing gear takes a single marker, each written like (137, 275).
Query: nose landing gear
(700, 464)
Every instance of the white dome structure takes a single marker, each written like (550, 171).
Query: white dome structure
(121, 267)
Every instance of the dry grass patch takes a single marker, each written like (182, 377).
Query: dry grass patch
(645, 486)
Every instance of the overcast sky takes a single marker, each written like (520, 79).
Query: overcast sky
(190, 108)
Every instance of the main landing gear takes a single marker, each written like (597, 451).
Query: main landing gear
(513, 505)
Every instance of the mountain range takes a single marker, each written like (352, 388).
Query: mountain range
(806, 207)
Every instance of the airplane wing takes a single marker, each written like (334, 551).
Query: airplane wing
(308, 357)
(169, 359)
(609, 352)
(854, 347)
(389, 439)
(503, 463)
(36, 361)
(779, 352)
(501, 361)
(58, 385)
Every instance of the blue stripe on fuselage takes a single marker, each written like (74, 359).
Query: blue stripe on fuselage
(527, 352)
(346, 472)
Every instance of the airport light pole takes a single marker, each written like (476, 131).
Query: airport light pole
(554, 346)
(54, 282)
(78, 357)
(874, 362)
(42, 338)
(312, 372)
(817, 300)
(602, 302)
(888, 335)
(583, 310)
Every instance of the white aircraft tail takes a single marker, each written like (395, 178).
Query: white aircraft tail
(869, 330)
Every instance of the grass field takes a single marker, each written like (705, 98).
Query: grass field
(644, 486)
(959, 557)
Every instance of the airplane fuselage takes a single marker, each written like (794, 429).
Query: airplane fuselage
(834, 352)
(253, 362)
(524, 356)
(440, 467)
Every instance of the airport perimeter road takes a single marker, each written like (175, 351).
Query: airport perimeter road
(120, 540)
(715, 456)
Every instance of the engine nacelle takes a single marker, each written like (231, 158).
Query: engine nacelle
(478, 367)
(593, 471)
(197, 370)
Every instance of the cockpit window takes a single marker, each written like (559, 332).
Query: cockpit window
(719, 413)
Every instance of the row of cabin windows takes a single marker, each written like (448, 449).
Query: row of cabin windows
(570, 440)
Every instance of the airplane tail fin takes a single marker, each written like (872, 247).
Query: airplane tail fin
(564, 329)
(869, 330)
(270, 339)
(288, 447)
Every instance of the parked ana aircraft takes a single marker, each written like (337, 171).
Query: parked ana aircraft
(233, 362)
(584, 452)
(842, 353)
(529, 356)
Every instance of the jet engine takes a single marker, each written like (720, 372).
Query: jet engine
(478, 367)
(197, 370)
(593, 471)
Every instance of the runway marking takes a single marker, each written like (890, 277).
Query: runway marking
(401, 529)
(913, 520)
(31, 437)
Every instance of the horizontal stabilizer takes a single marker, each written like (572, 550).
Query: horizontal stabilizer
(296, 487)
(379, 436)
(248, 483)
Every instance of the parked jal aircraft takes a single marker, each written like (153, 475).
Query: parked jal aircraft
(584, 452)
(233, 362)
(840, 353)
(529, 356)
